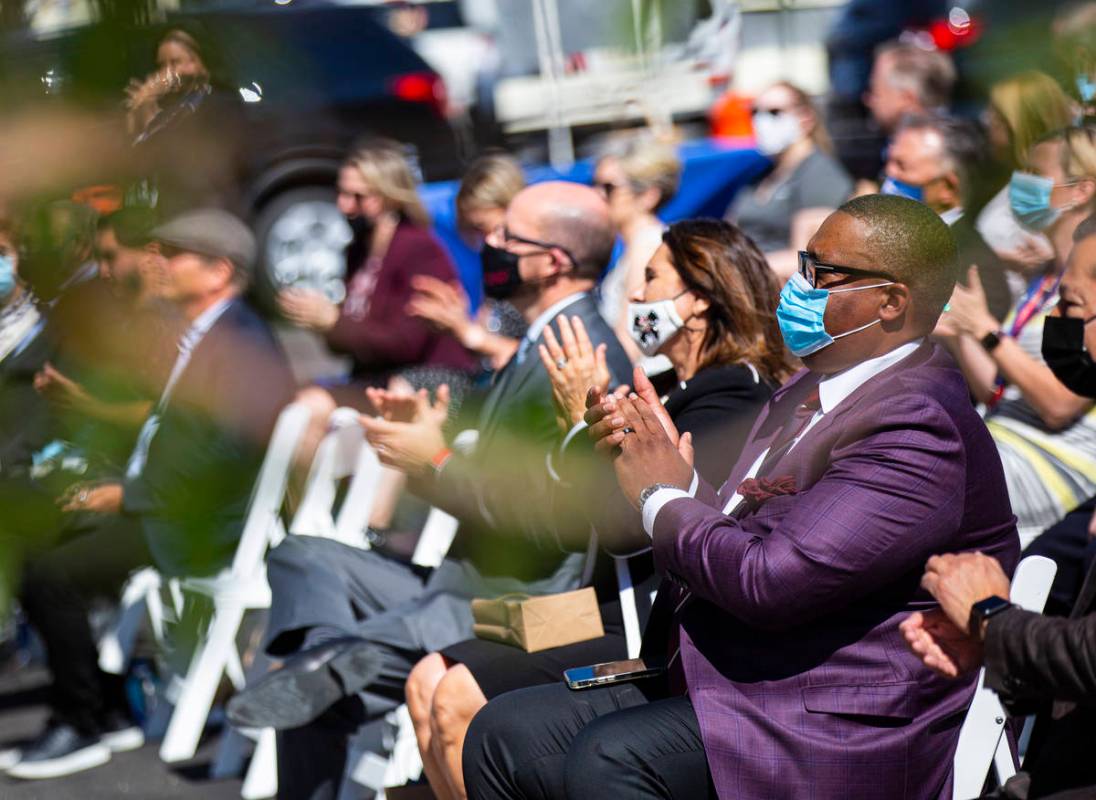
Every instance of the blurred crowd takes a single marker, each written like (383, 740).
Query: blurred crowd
(794, 455)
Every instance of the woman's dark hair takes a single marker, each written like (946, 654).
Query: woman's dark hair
(718, 261)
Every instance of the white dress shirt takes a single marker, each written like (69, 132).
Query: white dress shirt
(189, 340)
(536, 327)
(832, 391)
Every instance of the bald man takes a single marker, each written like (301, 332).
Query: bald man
(352, 623)
(784, 590)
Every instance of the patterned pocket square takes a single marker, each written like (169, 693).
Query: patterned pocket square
(757, 491)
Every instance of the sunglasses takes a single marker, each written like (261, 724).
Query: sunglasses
(810, 268)
(772, 112)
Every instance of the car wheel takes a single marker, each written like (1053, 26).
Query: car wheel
(302, 240)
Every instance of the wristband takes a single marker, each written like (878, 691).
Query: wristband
(442, 456)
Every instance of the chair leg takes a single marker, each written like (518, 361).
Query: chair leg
(206, 668)
(262, 776)
(116, 646)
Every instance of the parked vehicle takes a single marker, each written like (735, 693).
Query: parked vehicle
(311, 78)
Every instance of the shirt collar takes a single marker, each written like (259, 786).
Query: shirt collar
(206, 320)
(537, 325)
(833, 389)
(952, 215)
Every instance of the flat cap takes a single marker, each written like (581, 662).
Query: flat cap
(210, 232)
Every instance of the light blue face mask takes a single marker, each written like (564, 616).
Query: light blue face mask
(1029, 199)
(7, 276)
(802, 312)
(1086, 88)
(902, 189)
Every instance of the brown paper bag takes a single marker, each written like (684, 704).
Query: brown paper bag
(536, 623)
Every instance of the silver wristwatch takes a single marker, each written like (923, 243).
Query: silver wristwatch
(645, 495)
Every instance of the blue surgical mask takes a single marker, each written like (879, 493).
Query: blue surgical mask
(1029, 199)
(802, 312)
(1086, 88)
(7, 276)
(902, 189)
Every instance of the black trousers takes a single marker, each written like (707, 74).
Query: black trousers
(56, 588)
(1068, 544)
(609, 742)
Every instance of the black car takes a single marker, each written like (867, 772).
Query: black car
(311, 79)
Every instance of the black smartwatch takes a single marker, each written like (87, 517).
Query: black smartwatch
(982, 611)
(991, 340)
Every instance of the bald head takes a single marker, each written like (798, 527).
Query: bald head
(570, 215)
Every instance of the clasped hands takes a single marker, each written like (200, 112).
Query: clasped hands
(635, 430)
(940, 637)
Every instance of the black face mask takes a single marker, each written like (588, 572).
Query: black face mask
(361, 227)
(501, 276)
(1064, 352)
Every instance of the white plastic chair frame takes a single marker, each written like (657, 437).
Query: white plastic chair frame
(982, 743)
(239, 588)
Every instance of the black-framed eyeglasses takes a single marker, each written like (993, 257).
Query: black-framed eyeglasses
(507, 236)
(810, 268)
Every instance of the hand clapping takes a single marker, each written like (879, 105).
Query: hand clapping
(645, 445)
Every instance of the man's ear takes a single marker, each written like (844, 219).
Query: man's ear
(953, 191)
(896, 301)
(561, 262)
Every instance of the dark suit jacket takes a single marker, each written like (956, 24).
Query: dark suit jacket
(1032, 660)
(501, 492)
(791, 650)
(193, 492)
(26, 423)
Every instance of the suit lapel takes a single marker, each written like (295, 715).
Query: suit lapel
(784, 403)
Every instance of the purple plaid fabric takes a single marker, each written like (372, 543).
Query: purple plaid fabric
(791, 649)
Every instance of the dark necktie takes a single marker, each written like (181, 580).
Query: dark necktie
(792, 430)
(662, 634)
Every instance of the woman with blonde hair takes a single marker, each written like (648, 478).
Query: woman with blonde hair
(1045, 433)
(1023, 109)
(637, 180)
(486, 189)
(392, 244)
(806, 182)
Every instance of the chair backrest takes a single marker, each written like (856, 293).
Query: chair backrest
(263, 521)
(981, 740)
(434, 540)
(342, 453)
(440, 528)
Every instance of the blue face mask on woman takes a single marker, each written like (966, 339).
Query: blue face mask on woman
(7, 276)
(1029, 199)
(802, 311)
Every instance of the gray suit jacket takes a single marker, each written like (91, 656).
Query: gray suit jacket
(501, 492)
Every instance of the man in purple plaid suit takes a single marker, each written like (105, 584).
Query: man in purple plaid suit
(783, 591)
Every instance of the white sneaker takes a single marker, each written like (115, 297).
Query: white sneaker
(60, 750)
(10, 757)
(124, 739)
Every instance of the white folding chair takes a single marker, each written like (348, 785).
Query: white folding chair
(343, 453)
(237, 589)
(140, 596)
(982, 743)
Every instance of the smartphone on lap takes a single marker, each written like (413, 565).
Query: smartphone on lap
(610, 672)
